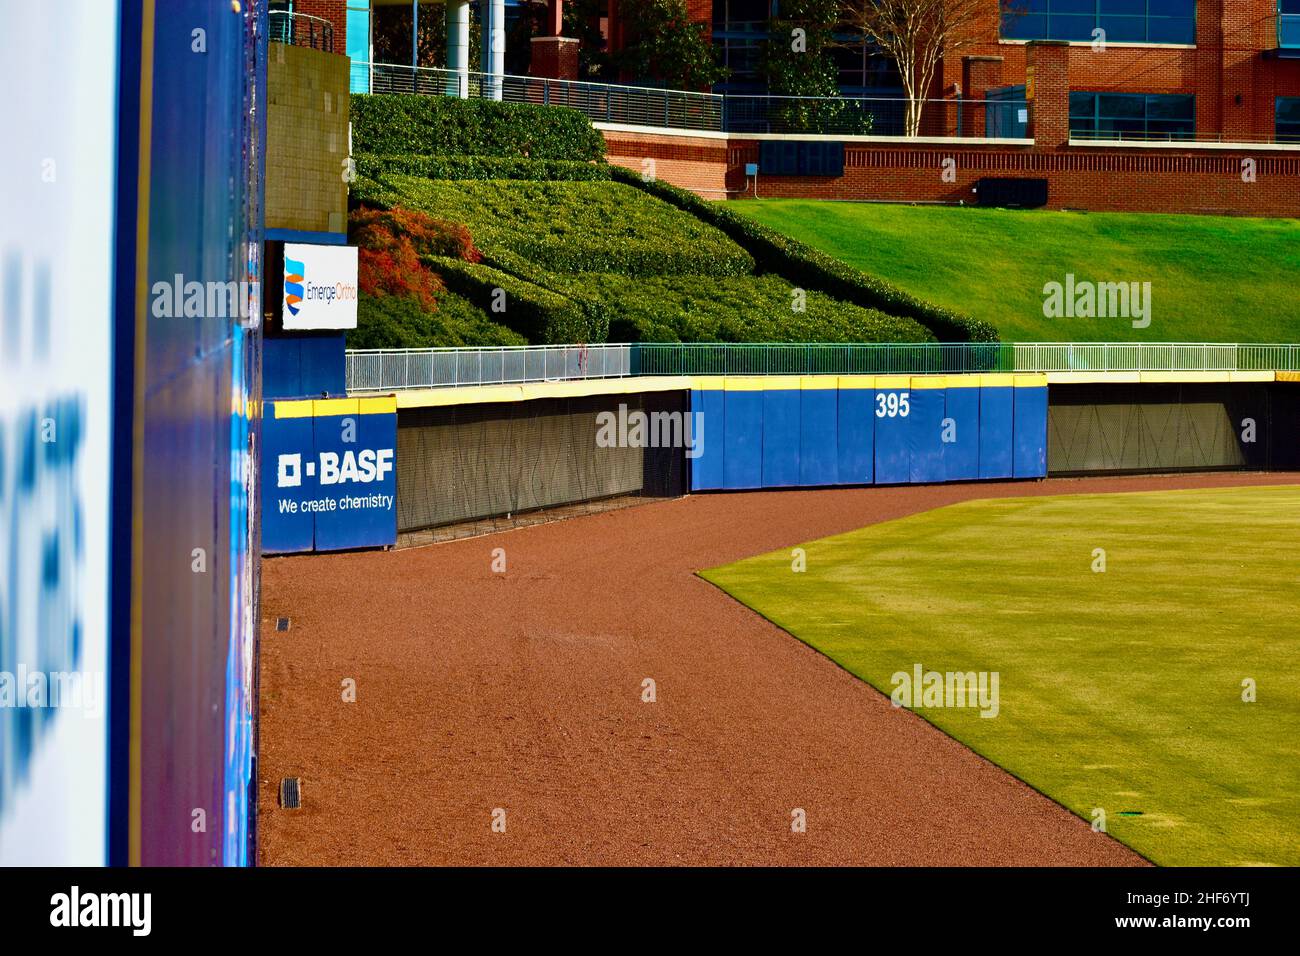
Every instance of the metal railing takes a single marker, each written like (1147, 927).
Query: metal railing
(300, 29)
(602, 102)
(1197, 138)
(1153, 357)
(386, 370)
(873, 116)
(394, 369)
(715, 112)
(818, 359)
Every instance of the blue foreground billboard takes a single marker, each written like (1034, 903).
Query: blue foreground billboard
(330, 474)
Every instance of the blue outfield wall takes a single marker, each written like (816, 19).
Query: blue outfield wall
(742, 429)
(855, 427)
(781, 434)
(891, 407)
(960, 432)
(306, 365)
(706, 471)
(1030, 422)
(818, 432)
(925, 429)
(781, 431)
(997, 411)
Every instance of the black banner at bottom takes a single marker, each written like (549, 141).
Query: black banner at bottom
(317, 905)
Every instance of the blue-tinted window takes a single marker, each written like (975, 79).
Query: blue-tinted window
(1152, 116)
(358, 30)
(1288, 23)
(1288, 119)
(1124, 21)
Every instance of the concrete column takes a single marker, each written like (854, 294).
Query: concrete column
(493, 58)
(458, 47)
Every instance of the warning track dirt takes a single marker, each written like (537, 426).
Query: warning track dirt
(478, 692)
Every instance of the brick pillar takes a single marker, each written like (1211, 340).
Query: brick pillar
(554, 25)
(335, 11)
(979, 74)
(554, 57)
(1237, 91)
(1047, 88)
(1209, 56)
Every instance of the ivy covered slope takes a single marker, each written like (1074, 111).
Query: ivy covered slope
(525, 234)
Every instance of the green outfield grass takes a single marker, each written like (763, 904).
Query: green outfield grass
(1213, 279)
(1119, 690)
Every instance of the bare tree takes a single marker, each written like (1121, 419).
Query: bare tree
(918, 34)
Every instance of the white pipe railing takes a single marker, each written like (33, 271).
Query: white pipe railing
(392, 369)
(619, 104)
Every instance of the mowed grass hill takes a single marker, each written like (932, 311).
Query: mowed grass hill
(1213, 278)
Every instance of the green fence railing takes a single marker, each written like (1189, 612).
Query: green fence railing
(824, 359)
(391, 369)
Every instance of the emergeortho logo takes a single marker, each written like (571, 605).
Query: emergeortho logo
(297, 289)
(1098, 300)
(922, 689)
(74, 908)
(366, 466)
(637, 429)
(293, 275)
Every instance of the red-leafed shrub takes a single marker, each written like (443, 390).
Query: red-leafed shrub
(385, 228)
(390, 243)
(382, 272)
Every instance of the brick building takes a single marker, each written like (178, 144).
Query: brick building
(1226, 70)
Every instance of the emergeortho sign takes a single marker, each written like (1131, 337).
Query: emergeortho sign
(320, 287)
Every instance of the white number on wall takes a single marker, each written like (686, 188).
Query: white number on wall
(892, 404)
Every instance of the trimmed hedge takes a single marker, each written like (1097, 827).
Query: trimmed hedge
(730, 309)
(479, 167)
(540, 315)
(579, 226)
(813, 269)
(596, 309)
(680, 308)
(399, 322)
(447, 125)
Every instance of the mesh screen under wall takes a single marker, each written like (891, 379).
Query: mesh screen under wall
(466, 469)
(1168, 427)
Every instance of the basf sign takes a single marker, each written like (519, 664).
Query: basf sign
(320, 287)
(329, 476)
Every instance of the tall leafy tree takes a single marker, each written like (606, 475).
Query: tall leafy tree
(664, 46)
(918, 34)
(796, 62)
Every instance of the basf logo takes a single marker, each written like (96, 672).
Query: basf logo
(364, 467)
(320, 286)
